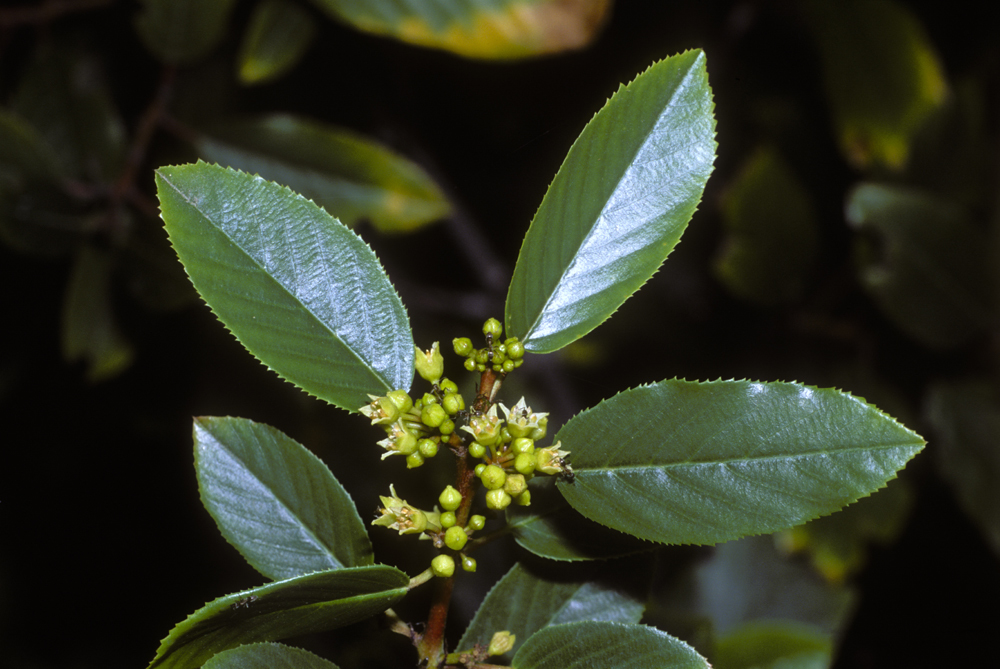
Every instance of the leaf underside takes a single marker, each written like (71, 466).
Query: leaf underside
(299, 290)
(703, 463)
(617, 207)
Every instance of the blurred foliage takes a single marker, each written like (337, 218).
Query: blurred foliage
(850, 232)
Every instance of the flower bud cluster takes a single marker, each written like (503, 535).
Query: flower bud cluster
(510, 457)
(499, 356)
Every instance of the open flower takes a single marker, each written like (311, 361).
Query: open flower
(382, 410)
(485, 429)
(399, 442)
(398, 514)
(430, 363)
(523, 422)
(552, 460)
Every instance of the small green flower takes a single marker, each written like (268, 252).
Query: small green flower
(498, 500)
(382, 410)
(468, 563)
(455, 538)
(485, 429)
(399, 442)
(463, 346)
(522, 421)
(493, 328)
(450, 498)
(430, 363)
(501, 643)
(398, 514)
(493, 477)
(552, 460)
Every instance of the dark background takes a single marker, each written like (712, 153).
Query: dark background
(104, 543)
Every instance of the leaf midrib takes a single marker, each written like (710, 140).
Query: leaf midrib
(690, 463)
(285, 289)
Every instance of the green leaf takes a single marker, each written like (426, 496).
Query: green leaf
(351, 176)
(966, 420)
(303, 605)
(180, 32)
(774, 645)
(597, 645)
(502, 29)
(302, 292)
(685, 462)
(617, 206)
(90, 333)
(923, 262)
(268, 656)
(772, 238)
(522, 603)
(882, 77)
(276, 38)
(274, 501)
(552, 529)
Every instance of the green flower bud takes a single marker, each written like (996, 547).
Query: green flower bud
(463, 346)
(414, 460)
(470, 364)
(428, 448)
(430, 363)
(493, 477)
(455, 538)
(453, 403)
(482, 356)
(524, 463)
(501, 643)
(508, 366)
(515, 484)
(447, 427)
(448, 519)
(493, 328)
(524, 499)
(432, 415)
(480, 468)
(450, 499)
(468, 563)
(401, 399)
(477, 523)
(447, 386)
(443, 566)
(515, 349)
(497, 500)
(522, 445)
(382, 410)
(477, 450)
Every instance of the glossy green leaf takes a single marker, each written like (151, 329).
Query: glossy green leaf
(274, 501)
(597, 645)
(522, 603)
(966, 420)
(182, 31)
(502, 29)
(552, 529)
(923, 262)
(63, 94)
(267, 656)
(709, 462)
(771, 232)
(276, 38)
(774, 645)
(351, 176)
(882, 76)
(90, 331)
(302, 292)
(303, 605)
(617, 206)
